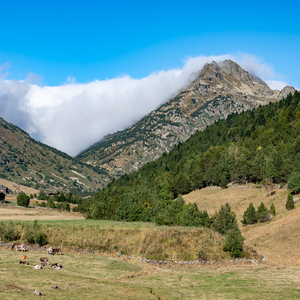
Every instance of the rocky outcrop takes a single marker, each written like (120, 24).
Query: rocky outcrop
(219, 90)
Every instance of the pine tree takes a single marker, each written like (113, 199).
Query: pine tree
(262, 213)
(272, 209)
(234, 242)
(249, 216)
(290, 204)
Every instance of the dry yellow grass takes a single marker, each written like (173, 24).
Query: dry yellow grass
(16, 188)
(37, 213)
(277, 240)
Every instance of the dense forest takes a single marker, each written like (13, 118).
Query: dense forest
(259, 146)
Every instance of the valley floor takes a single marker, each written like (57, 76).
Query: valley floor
(103, 277)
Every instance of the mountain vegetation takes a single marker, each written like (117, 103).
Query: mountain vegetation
(259, 146)
(217, 91)
(30, 163)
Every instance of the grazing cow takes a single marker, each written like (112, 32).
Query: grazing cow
(18, 246)
(57, 266)
(44, 260)
(24, 263)
(49, 250)
(38, 266)
(23, 257)
(56, 250)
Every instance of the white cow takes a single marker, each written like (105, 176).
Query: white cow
(38, 266)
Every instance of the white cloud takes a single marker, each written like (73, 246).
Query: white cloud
(276, 84)
(73, 116)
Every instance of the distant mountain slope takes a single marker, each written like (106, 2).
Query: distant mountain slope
(219, 90)
(28, 162)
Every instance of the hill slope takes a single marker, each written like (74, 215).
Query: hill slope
(262, 145)
(28, 162)
(218, 91)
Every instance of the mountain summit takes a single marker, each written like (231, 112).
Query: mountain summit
(219, 90)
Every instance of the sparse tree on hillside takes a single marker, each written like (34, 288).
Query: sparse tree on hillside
(290, 204)
(272, 209)
(249, 216)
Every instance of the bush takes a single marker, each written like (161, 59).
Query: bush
(34, 235)
(42, 195)
(50, 203)
(23, 199)
(8, 232)
(290, 204)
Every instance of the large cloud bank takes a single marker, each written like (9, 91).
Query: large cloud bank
(73, 116)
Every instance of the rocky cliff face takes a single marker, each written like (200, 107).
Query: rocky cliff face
(219, 90)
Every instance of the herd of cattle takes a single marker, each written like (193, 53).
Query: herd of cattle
(44, 261)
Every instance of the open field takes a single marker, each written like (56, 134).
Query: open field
(36, 213)
(278, 240)
(102, 277)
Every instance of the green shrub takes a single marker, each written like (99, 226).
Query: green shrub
(8, 232)
(34, 235)
(23, 199)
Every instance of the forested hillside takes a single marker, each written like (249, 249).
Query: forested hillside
(262, 145)
(218, 90)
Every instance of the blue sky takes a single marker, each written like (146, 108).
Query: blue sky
(78, 70)
(104, 39)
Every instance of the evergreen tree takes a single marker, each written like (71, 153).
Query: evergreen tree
(224, 219)
(23, 199)
(294, 182)
(272, 209)
(249, 216)
(262, 213)
(290, 204)
(224, 181)
(234, 242)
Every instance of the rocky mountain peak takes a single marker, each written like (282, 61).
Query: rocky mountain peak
(285, 91)
(219, 90)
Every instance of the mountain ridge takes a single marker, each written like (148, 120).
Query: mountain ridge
(218, 90)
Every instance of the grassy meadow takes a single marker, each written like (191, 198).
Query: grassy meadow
(99, 272)
(102, 277)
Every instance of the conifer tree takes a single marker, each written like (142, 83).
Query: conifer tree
(290, 204)
(272, 209)
(234, 242)
(262, 213)
(249, 216)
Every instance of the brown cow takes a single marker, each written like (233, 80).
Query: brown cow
(56, 250)
(18, 246)
(24, 263)
(23, 257)
(44, 260)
